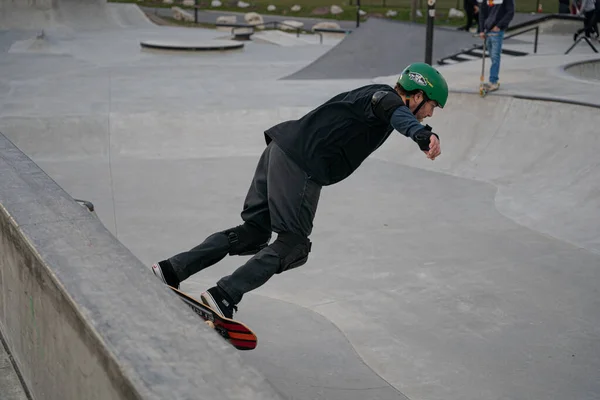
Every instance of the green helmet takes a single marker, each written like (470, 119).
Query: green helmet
(422, 76)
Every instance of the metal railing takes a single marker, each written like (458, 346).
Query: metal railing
(278, 25)
(470, 51)
(579, 40)
(320, 31)
(535, 40)
(263, 25)
(519, 29)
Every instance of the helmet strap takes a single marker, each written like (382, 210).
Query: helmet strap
(425, 99)
(419, 106)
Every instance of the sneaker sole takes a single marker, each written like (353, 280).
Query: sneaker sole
(158, 273)
(208, 300)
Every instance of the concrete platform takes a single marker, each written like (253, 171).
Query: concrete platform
(471, 277)
(212, 45)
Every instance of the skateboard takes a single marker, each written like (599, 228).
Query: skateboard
(239, 335)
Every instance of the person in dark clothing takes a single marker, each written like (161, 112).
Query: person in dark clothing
(589, 9)
(322, 148)
(494, 18)
(595, 20)
(472, 12)
(564, 6)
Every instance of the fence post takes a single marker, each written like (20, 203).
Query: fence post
(429, 37)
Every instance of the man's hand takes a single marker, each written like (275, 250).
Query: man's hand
(434, 148)
(482, 35)
(428, 142)
(495, 29)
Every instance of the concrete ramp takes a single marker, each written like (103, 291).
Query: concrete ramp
(382, 47)
(472, 277)
(79, 15)
(544, 167)
(82, 317)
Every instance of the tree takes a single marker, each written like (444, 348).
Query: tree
(414, 4)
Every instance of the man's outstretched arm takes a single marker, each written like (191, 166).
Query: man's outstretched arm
(405, 122)
(390, 108)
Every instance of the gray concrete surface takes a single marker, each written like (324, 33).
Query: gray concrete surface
(471, 277)
(10, 385)
(535, 76)
(382, 46)
(587, 70)
(82, 319)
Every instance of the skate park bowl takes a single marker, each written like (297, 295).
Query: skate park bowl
(588, 70)
(470, 277)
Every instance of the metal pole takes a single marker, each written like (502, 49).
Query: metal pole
(357, 13)
(537, 30)
(429, 37)
(195, 11)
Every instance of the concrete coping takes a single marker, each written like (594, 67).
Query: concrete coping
(585, 69)
(195, 45)
(81, 314)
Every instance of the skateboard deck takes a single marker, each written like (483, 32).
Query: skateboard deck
(235, 332)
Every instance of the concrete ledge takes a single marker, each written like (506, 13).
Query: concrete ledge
(200, 45)
(84, 319)
(533, 97)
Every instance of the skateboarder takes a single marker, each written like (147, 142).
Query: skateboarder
(322, 148)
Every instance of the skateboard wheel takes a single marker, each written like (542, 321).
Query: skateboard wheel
(210, 323)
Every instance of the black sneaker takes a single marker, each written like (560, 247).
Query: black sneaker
(164, 271)
(218, 300)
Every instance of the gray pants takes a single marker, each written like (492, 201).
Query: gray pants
(282, 198)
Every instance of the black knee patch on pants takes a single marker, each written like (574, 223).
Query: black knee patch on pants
(246, 239)
(292, 250)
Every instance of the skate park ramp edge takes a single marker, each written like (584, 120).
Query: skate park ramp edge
(70, 15)
(587, 70)
(547, 184)
(380, 47)
(83, 318)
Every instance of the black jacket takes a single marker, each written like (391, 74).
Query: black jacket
(331, 141)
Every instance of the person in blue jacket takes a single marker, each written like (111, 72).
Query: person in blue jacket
(494, 18)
